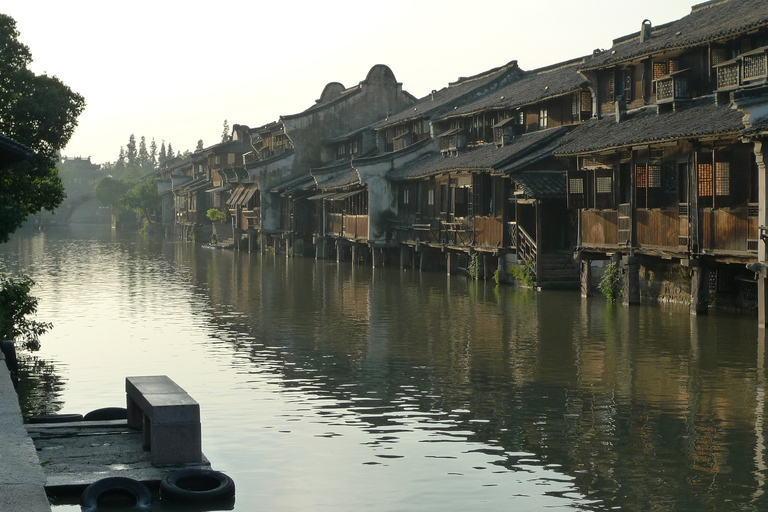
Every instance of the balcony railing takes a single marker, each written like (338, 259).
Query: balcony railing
(673, 87)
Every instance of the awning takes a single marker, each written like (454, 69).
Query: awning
(218, 190)
(324, 195)
(233, 199)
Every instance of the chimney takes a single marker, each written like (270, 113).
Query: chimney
(645, 31)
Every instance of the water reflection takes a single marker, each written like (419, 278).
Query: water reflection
(336, 387)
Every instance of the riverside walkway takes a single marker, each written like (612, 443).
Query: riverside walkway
(22, 481)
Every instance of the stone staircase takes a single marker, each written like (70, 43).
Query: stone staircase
(557, 271)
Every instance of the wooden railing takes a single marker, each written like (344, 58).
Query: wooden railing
(526, 249)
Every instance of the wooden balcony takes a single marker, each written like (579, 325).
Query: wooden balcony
(599, 228)
(347, 226)
(488, 232)
(673, 87)
(658, 228)
(728, 75)
(728, 230)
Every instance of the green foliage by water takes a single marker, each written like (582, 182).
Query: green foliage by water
(610, 283)
(473, 269)
(524, 273)
(16, 306)
(143, 199)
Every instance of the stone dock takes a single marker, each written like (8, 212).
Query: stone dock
(22, 480)
(61, 459)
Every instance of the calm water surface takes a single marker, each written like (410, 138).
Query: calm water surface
(328, 387)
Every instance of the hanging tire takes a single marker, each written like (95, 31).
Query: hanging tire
(116, 491)
(107, 413)
(55, 418)
(196, 485)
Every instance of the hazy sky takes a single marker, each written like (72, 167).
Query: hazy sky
(174, 71)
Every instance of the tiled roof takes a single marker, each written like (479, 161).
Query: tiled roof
(339, 176)
(458, 93)
(541, 184)
(699, 118)
(707, 22)
(535, 86)
(293, 184)
(484, 158)
(12, 152)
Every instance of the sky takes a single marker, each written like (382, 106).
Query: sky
(175, 71)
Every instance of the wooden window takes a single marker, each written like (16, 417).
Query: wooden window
(603, 189)
(659, 70)
(705, 180)
(648, 185)
(577, 190)
(406, 196)
(722, 178)
(543, 117)
(431, 196)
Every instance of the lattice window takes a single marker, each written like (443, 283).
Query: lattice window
(659, 70)
(641, 176)
(586, 101)
(674, 65)
(603, 185)
(722, 178)
(654, 176)
(576, 185)
(665, 89)
(705, 179)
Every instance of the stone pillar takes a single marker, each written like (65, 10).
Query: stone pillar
(322, 248)
(631, 280)
(288, 247)
(699, 289)
(263, 243)
(377, 257)
(451, 262)
(406, 254)
(422, 255)
(585, 276)
(355, 254)
(501, 269)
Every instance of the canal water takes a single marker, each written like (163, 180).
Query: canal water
(327, 387)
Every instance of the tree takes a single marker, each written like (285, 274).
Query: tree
(16, 304)
(225, 137)
(41, 113)
(170, 152)
(199, 146)
(153, 153)
(109, 191)
(143, 199)
(162, 158)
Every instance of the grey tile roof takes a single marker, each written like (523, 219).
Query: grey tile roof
(484, 158)
(534, 86)
(707, 22)
(460, 92)
(336, 177)
(541, 184)
(700, 117)
(12, 152)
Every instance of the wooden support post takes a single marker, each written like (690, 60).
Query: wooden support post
(631, 280)
(377, 257)
(762, 220)
(699, 290)
(585, 276)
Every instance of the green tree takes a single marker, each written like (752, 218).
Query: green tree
(199, 146)
(109, 191)
(162, 158)
(153, 153)
(40, 112)
(143, 199)
(225, 135)
(16, 306)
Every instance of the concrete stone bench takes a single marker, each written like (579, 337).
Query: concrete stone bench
(168, 417)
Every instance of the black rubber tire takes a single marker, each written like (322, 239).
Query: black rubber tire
(116, 485)
(196, 485)
(107, 413)
(55, 418)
